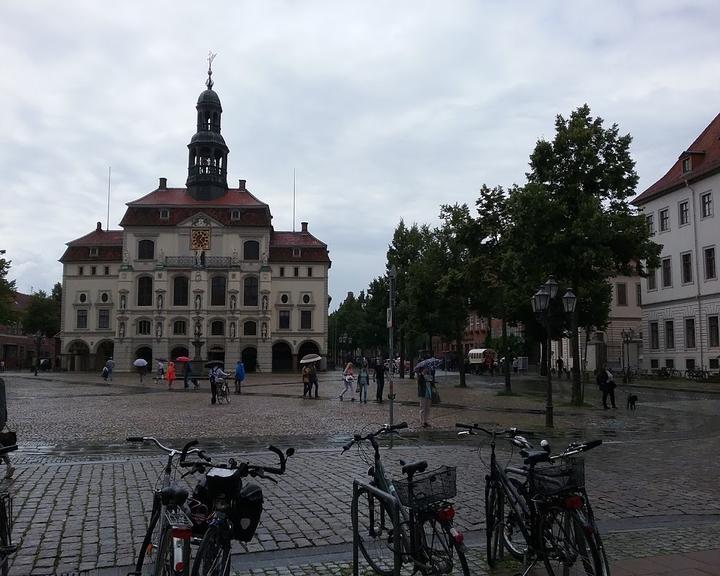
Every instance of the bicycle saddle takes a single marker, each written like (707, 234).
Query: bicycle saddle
(173, 495)
(533, 457)
(410, 469)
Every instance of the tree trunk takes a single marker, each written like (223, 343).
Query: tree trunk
(461, 359)
(508, 360)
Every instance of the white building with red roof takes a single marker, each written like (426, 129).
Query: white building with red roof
(196, 271)
(681, 300)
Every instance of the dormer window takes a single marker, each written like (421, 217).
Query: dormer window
(235, 215)
(164, 214)
(93, 251)
(686, 165)
(296, 252)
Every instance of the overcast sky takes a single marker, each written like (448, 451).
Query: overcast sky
(386, 110)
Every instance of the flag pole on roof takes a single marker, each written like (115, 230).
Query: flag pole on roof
(293, 199)
(107, 222)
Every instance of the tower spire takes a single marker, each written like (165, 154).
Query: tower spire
(209, 82)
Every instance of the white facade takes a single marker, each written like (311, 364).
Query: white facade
(681, 300)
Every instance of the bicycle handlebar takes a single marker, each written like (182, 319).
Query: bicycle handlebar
(245, 467)
(512, 432)
(153, 440)
(577, 449)
(384, 430)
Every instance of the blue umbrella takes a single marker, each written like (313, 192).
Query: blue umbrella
(428, 363)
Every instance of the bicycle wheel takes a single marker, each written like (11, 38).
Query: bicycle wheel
(493, 517)
(213, 555)
(440, 548)
(147, 555)
(513, 528)
(373, 524)
(569, 546)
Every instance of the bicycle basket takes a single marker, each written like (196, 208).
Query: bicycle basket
(551, 480)
(428, 487)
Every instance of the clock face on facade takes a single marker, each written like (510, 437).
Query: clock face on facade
(200, 239)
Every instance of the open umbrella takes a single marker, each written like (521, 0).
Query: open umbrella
(140, 362)
(428, 363)
(310, 358)
(214, 363)
(182, 359)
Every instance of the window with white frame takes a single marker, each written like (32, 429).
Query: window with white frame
(81, 319)
(709, 258)
(652, 279)
(179, 328)
(103, 319)
(669, 334)
(621, 291)
(689, 332)
(654, 336)
(683, 213)
(664, 220)
(650, 219)
(713, 333)
(667, 272)
(706, 204)
(686, 261)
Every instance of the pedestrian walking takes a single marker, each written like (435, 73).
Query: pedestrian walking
(348, 382)
(110, 364)
(313, 380)
(379, 379)
(3, 425)
(425, 397)
(363, 381)
(559, 362)
(239, 376)
(187, 371)
(515, 365)
(306, 380)
(160, 371)
(105, 373)
(170, 375)
(609, 389)
(213, 385)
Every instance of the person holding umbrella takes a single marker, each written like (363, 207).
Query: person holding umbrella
(141, 365)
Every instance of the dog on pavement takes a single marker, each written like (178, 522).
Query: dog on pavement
(632, 401)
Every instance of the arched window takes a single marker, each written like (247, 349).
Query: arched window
(180, 291)
(251, 250)
(217, 291)
(250, 291)
(250, 328)
(144, 291)
(146, 250)
(217, 328)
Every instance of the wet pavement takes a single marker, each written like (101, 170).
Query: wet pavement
(82, 495)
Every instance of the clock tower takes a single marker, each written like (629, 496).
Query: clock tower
(207, 160)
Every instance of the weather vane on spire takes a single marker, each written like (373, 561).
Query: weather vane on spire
(211, 57)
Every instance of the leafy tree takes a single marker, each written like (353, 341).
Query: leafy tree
(43, 314)
(7, 292)
(404, 251)
(574, 220)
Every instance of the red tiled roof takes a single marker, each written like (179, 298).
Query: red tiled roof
(704, 153)
(99, 238)
(166, 197)
(311, 249)
(294, 239)
(150, 216)
(82, 254)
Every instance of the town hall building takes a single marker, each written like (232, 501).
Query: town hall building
(197, 271)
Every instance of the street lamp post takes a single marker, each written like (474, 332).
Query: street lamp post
(392, 275)
(627, 337)
(540, 303)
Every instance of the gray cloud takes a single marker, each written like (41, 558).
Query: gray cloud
(385, 109)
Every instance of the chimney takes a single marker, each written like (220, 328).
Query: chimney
(99, 227)
(241, 184)
(163, 184)
(304, 226)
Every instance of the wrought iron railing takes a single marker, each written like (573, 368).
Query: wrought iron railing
(198, 262)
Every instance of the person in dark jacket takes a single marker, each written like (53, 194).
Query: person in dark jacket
(379, 377)
(3, 422)
(425, 397)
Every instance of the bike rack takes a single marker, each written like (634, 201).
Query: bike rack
(394, 508)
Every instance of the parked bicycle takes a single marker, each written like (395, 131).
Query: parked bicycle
(6, 523)
(165, 549)
(223, 392)
(234, 508)
(541, 513)
(409, 520)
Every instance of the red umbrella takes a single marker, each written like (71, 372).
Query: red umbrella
(182, 359)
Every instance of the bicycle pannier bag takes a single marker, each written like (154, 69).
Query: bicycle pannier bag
(245, 512)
